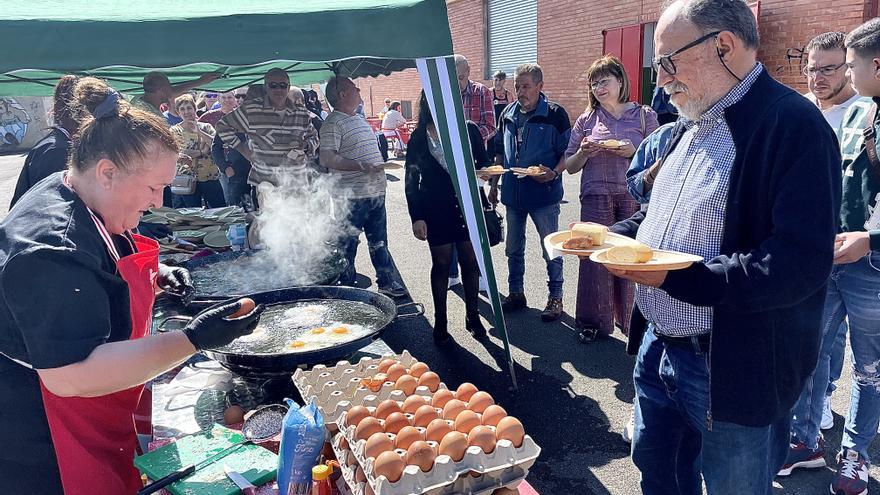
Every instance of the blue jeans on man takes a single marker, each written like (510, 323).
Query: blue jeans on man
(853, 290)
(368, 215)
(673, 443)
(546, 220)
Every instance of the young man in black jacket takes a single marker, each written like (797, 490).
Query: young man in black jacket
(725, 345)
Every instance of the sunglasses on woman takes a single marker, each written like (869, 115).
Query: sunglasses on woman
(278, 85)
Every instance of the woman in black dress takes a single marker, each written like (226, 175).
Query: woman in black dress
(437, 217)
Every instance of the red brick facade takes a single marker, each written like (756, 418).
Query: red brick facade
(570, 37)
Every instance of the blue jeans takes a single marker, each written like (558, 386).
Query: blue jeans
(853, 291)
(210, 191)
(837, 358)
(672, 443)
(546, 221)
(368, 215)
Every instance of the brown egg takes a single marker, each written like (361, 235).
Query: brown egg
(437, 429)
(390, 465)
(505, 491)
(424, 415)
(413, 402)
(369, 491)
(395, 422)
(483, 437)
(385, 364)
(431, 380)
(466, 421)
(418, 369)
(452, 408)
(465, 391)
(406, 436)
(441, 397)
(395, 371)
(493, 414)
(367, 427)
(245, 306)
(385, 408)
(354, 415)
(420, 454)
(376, 444)
(233, 414)
(343, 443)
(407, 384)
(360, 476)
(480, 401)
(350, 459)
(454, 444)
(510, 428)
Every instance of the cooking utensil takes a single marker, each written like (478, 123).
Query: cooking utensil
(240, 481)
(261, 424)
(250, 356)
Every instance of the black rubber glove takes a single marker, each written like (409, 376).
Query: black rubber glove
(176, 281)
(211, 329)
(154, 230)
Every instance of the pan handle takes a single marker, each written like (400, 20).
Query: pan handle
(420, 310)
(161, 328)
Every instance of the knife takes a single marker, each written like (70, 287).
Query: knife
(186, 471)
(244, 485)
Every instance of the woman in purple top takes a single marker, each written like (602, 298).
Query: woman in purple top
(610, 115)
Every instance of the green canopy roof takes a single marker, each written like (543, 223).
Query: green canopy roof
(123, 40)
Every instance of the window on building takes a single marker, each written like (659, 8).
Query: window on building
(512, 35)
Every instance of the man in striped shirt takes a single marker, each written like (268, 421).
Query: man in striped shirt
(282, 139)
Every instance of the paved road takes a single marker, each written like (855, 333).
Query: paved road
(573, 399)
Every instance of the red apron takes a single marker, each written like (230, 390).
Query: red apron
(94, 437)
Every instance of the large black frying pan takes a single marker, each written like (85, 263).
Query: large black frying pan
(285, 363)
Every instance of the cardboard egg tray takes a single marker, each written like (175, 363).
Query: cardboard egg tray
(506, 465)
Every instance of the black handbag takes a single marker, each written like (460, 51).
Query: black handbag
(494, 221)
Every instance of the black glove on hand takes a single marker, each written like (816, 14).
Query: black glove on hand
(211, 329)
(154, 230)
(175, 280)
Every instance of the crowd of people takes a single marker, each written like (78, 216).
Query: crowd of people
(736, 357)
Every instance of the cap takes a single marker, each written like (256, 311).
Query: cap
(321, 472)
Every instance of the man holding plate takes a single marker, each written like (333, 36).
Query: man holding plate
(752, 186)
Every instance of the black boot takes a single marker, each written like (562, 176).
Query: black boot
(474, 325)
(441, 334)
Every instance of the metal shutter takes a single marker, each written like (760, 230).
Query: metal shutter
(513, 35)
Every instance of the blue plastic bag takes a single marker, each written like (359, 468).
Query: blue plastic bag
(302, 439)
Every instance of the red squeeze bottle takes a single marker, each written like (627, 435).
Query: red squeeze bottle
(321, 480)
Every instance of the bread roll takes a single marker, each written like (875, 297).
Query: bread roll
(596, 233)
(630, 253)
(494, 168)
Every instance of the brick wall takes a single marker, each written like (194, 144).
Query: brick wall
(570, 38)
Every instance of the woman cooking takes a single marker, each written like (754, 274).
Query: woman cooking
(76, 297)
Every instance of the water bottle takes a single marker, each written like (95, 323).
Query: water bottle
(237, 235)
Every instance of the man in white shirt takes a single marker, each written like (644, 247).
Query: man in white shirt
(830, 88)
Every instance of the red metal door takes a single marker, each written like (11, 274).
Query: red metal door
(626, 44)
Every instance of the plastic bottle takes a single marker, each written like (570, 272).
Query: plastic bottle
(321, 480)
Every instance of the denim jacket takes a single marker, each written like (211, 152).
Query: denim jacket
(544, 140)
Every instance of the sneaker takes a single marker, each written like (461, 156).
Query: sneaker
(827, 416)
(514, 301)
(852, 474)
(630, 428)
(453, 281)
(801, 456)
(553, 310)
(396, 289)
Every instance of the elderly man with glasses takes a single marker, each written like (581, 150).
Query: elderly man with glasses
(750, 183)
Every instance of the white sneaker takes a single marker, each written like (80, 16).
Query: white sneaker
(629, 429)
(453, 281)
(827, 416)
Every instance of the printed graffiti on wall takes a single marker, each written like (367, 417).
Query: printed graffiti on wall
(14, 120)
(796, 60)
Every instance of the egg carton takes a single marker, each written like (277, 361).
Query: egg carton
(504, 465)
(416, 482)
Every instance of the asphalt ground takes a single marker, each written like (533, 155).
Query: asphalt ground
(574, 399)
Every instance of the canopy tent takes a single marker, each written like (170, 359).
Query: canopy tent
(312, 40)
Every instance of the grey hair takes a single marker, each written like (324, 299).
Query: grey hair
(533, 70)
(833, 40)
(865, 39)
(461, 62)
(723, 15)
(332, 90)
(295, 94)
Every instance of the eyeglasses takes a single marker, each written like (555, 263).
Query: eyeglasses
(826, 71)
(212, 95)
(278, 85)
(601, 84)
(665, 61)
(239, 97)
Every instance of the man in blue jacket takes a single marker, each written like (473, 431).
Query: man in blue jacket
(534, 132)
(752, 186)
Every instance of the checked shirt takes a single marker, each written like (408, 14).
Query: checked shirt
(687, 209)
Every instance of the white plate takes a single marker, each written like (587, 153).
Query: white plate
(661, 261)
(556, 240)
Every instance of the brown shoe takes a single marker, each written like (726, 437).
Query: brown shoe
(514, 301)
(553, 310)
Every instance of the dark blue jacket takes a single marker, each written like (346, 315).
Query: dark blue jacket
(767, 287)
(544, 140)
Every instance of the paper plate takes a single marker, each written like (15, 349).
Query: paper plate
(525, 171)
(216, 239)
(661, 261)
(611, 144)
(491, 172)
(556, 240)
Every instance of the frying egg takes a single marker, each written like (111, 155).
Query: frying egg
(465, 391)
(367, 427)
(493, 414)
(418, 369)
(480, 401)
(413, 402)
(385, 364)
(453, 408)
(466, 421)
(355, 415)
(376, 444)
(510, 428)
(431, 380)
(441, 397)
(406, 383)
(390, 465)
(319, 330)
(395, 371)
(385, 408)
(483, 437)
(395, 422)
(341, 330)
(420, 454)
(406, 436)
(424, 415)
(454, 444)
(437, 429)
(296, 344)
